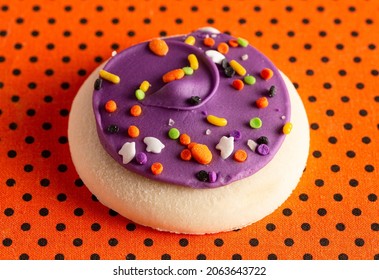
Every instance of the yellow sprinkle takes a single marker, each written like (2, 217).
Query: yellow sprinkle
(144, 86)
(190, 40)
(287, 128)
(237, 67)
(217, 121)
(109, 76)
(194, 63)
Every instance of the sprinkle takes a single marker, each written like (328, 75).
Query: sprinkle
(252, 144)
(133, 131)
(173, 133)
(217, 121)
(114, 53)
(187, 71)
(202, 176)
(249, 80)
(263, 150)
(194, 100)
(141, 158)
(283, 117)
(98, 84)
(225, 63)
(245, 57)
(127, 151)
(186, 154)
(236, 134)
(240, 155)
(223, 48)
(194, 63)
(242, 42)
(158, 47)
(212, 177)
(262, 140)
(255, 123)
(287, 128)
(157, 168)
(184, 139)
(135, 110)
(110, 106)
(209, 42)
(209, 29)
(267, 74)
(272, 91)
(201, 153)
(171, 122)
(173, 75)
(262, 102)
(190, 40)
(208, 132)
(215, 56)
(237, 67)
(113, 128)
(190, 145)
(140, 94)
(144, 86)
(154, 145)
(238, 84)
(226, 146)
(229, 72)
(233, 43)
(109, 76)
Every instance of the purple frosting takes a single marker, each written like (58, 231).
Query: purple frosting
(166, 105)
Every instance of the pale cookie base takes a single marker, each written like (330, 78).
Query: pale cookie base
(182, 209)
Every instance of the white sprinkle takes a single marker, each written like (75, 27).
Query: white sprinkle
(226, 146)
(252, 144)
(171, 122)
(213, 35)
(209, 30)
(245, 57)
(127, 151)
(208, 132)
(215, 56)
(154, 145)
(114, 53)
(283, 117)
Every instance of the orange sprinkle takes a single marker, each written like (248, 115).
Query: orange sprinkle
(190, 145)
(238, 84)
(133, 131)
(186, 154)
(184, 139)
(209, 42)
(136, 110)
(267, 73)
(173, 75)
(240, 155)
(157, 168)
(110, 106)
(201, 153)
(223, 48)
(158, 47)
(262, 102)
(233, 43)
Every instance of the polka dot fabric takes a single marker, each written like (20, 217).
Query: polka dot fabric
(331, 55)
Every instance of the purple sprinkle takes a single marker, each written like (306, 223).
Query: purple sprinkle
(263, 150)
(236, 134)
(212, 176)
(141, 158)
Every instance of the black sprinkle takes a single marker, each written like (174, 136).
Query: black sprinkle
(224, 63)
(113, 128)
(262, 140)
(272, 91)
(98, 84)
(202, 176)
(229, 72)
(194, 100)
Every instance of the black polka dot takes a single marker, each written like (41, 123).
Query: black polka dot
(148, 242)
(343, 256)
(360, 86)
(303, 197)
(354, 33)
(348, 126)
(325, 59)
(77, 242)
(4, 8)
(353, 183)
(305, 226)
(130, 257)
(258, 33)
(290, 33)
(183, 242)
(78, 212)
(366, 140)
(19, 20)
(322, 33)
(131, 227)
(66, 33)
(337, 21)
(321, 212)
(340, 227)
(166, 257)
(113, 242)
(340, 46)
(13, 126)
(201, 257)
(352, 9)
(59, 256)
(25, 227)
(338, 197)
(374, 72)
(272, 257)
(316, 154)
(131, 33)
(369, 168)
(359, 242)
(335, 168)
(62, 140)
(319, 182)
(289, 242)
(12, 153)
(218, 242)
(95, 256)
(78, 182)
(62, 168)
(43, 212)
(270, 227)
(60, 227)
(28, 168)
(95, 227)
(307, 256)
(305, 21)
(225, 8)
(375, 226)
(292, 59)
(312, 98)
(350, 154)
(372, 197)
(356, 212)
(194, 8)
(7, 242)
(8, 212)
(307, 46)
(357, 59)
(42, 242)
(178, 21)
(32, 85)
(309, 72)
(324, 242)
(254, 242)
(44, 182)
(115, 21)
(371, 46)
(61, 197)
(314, 126)
(112, 213)
(287, 212)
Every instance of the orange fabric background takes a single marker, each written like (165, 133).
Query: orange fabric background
(329, 49)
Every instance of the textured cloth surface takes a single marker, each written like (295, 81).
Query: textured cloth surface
(328, 49)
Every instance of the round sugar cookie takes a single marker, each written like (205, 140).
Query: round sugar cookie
(175, 207)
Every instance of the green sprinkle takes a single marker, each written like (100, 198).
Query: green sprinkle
(255, 122)
(249, 80)
(187, 70)
(140, 95)
(242, 42)
(173, 133)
